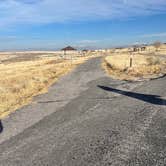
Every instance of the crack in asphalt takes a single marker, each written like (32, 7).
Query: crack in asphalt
(59, 101)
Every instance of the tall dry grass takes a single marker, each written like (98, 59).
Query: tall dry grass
(20, 81)
(143, 66)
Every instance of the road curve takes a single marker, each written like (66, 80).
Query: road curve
(89, 119)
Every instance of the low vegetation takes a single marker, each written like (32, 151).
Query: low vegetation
(143, 66)
(20, 81)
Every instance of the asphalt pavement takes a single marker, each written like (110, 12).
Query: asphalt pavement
(89, 119)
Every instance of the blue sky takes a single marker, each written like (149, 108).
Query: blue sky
(52, 24)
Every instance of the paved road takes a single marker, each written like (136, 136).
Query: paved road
(91, 120)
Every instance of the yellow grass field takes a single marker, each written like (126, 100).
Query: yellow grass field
(149, 49)
(143, 66)
(20, 81)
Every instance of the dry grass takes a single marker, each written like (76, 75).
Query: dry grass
(149, 50)
(160, 51)
(20, 81)
(118, 66)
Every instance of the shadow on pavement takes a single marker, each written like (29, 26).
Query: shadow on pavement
(153, 99)
(1, 127)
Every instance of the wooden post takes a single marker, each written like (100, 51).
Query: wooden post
(64, 52)
(131, 61)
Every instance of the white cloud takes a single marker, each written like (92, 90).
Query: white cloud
(13, 12)
(154, 35)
